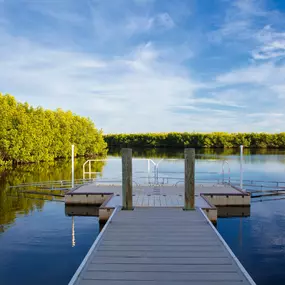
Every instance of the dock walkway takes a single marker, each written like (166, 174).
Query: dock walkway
(157, 245)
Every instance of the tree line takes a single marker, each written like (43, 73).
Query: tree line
(33, 134)
(197, 140)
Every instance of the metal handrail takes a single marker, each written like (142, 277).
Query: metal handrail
(229, 170)
(89, 161)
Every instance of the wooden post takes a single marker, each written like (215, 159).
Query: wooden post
(127, 180)
(189, 156)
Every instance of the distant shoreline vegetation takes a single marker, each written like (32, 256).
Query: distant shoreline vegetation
(197, 140)
(29, 134)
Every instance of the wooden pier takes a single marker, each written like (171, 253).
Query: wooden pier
(149, 240)
(160, 246)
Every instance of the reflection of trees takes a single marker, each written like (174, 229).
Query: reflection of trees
(13, 203)
(201, 153)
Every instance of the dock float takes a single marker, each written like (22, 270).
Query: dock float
(160, 246)
(210, 198)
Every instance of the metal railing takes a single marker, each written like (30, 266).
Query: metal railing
(256, 186)
(90, 172)
(155, 176)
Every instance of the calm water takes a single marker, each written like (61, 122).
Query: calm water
(36, 241)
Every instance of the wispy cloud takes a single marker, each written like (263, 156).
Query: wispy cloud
(129, 92)
(272, 44)
(257, 115)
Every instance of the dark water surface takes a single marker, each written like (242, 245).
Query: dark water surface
(38, 245)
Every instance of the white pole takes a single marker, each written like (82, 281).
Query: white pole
(241, 166)
(148, 170)
(72, 166)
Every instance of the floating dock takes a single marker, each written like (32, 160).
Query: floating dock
(160, 246)
(207, 197)
(159, 235)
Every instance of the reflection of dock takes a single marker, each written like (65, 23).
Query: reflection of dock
(207, 197)
(81, 210)
(159, 235)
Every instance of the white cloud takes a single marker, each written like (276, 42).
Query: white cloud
(117, 23)
(164, 20)
(268, 75)
(240, 29)
(144, 2)
(257, 115)
(217, 101)
(272, 44)
(57, 13)
(135, 92)
(132, 92)
(237, 24)
(128, 76)
(257, 74)
(140, 24)
(250, 7)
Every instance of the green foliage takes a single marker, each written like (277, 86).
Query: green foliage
(197, 140)
(29, 134)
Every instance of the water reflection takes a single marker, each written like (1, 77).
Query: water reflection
(32, 227)
(14, 203)
(204, 153)
(262, 163)
(72, 233)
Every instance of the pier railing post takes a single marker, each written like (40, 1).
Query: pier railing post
(127, 181)
(241, 167)
(189, 156)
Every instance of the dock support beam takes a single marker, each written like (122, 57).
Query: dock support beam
(127, 181)
(189, 156)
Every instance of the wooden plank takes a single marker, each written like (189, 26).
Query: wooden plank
(159, 254)
(177, 248)
(162, 240)
(177, 260)
(168, 243)
(144, 235)
(189, 228)
(157, 282)
(167, 276)
(162, 267)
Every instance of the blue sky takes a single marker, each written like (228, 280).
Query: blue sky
(149, 65)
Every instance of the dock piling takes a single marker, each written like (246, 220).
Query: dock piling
(127, 181)
(189, 155)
